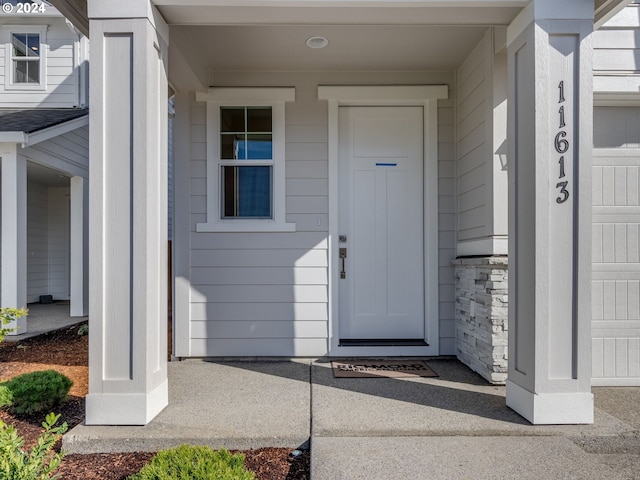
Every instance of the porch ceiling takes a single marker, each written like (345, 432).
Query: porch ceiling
(46, 176)
(351, 47)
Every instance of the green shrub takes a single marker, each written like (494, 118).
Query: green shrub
(189, 462)
(8, 315)
(37, 464)
(6, 397)
(38, 391)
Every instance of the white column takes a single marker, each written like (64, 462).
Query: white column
(79, 247)
(128, 213)
(182, 226)
(550, 143)
(14, 233)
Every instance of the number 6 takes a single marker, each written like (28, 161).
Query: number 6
(561, 144)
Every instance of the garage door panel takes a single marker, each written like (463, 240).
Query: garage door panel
(632, 186)
(616, 250)
(620, 185)
(615, 300)
(615, 242)
(632, 243)
(596, 191)
(616, 185)
(608, 186)
(616, 358)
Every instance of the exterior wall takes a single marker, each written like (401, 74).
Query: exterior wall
(480, 133)
(473, 100)
(58, 243)
(266, 293)
(37, 241)
(616, 56)
(63, 66)
(482, 316)
(47, 242)
(68, 153)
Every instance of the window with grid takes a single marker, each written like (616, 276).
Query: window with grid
(25, 57)
(245, 159)
(246, 162)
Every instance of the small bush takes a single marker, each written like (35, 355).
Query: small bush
(37, 464)
(189, 462)
(83, 330)
(8, 315)
(6, 397)
(38, 391)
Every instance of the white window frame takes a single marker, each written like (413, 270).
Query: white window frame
(219, 97)
(40, 30)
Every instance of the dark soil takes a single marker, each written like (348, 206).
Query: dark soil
(66, 352)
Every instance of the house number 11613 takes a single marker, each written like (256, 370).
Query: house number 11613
(561, 145)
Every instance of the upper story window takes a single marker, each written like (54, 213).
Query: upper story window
(25, 56)
(245, 159)
(25, 53)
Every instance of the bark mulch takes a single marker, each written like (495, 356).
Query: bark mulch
(67, 352)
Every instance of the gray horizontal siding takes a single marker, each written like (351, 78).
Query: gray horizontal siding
(472, 104)
(267, 293)
(61, 74)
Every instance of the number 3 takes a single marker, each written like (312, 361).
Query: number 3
(563, 191)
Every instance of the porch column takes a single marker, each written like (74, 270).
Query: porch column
(549, 163)
(79, 247)
(14, 233)
(128, 213)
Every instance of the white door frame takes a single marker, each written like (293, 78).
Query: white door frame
(427, 97)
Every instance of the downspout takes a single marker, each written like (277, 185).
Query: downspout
(80, 64)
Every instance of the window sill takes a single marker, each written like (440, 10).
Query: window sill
(246, 226)
(26, 87)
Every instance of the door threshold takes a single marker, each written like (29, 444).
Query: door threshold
(386, 342)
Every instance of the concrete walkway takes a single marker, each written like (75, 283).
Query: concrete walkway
(452, 427)
(44, 318)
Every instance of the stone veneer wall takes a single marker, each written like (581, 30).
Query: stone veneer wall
(481, 315)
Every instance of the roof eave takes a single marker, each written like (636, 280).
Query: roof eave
(28, 139)
(13, 137)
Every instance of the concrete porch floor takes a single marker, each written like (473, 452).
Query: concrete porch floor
(44, 318)
(455, 426)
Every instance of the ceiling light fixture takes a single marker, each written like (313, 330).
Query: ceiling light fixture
(317, 42)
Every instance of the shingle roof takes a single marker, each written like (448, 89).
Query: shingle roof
(34, 120)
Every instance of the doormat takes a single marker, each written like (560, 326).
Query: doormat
(381, 368)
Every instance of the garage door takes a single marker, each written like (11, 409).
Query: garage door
(616, 247)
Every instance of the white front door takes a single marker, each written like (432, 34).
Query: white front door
(381, 229)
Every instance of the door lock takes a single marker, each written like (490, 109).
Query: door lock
(343, 255)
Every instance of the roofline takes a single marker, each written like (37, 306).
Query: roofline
(76, 11)
(607, 10)
(30, 139)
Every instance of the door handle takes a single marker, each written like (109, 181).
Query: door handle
(343, 255)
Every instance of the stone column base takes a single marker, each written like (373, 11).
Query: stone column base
(482, 315)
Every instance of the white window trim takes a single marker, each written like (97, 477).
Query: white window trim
(246, 97)
(8, 74)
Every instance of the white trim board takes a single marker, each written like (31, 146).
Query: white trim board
(417, 95)
(494, 245)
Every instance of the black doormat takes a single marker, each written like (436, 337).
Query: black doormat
(381, 368)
